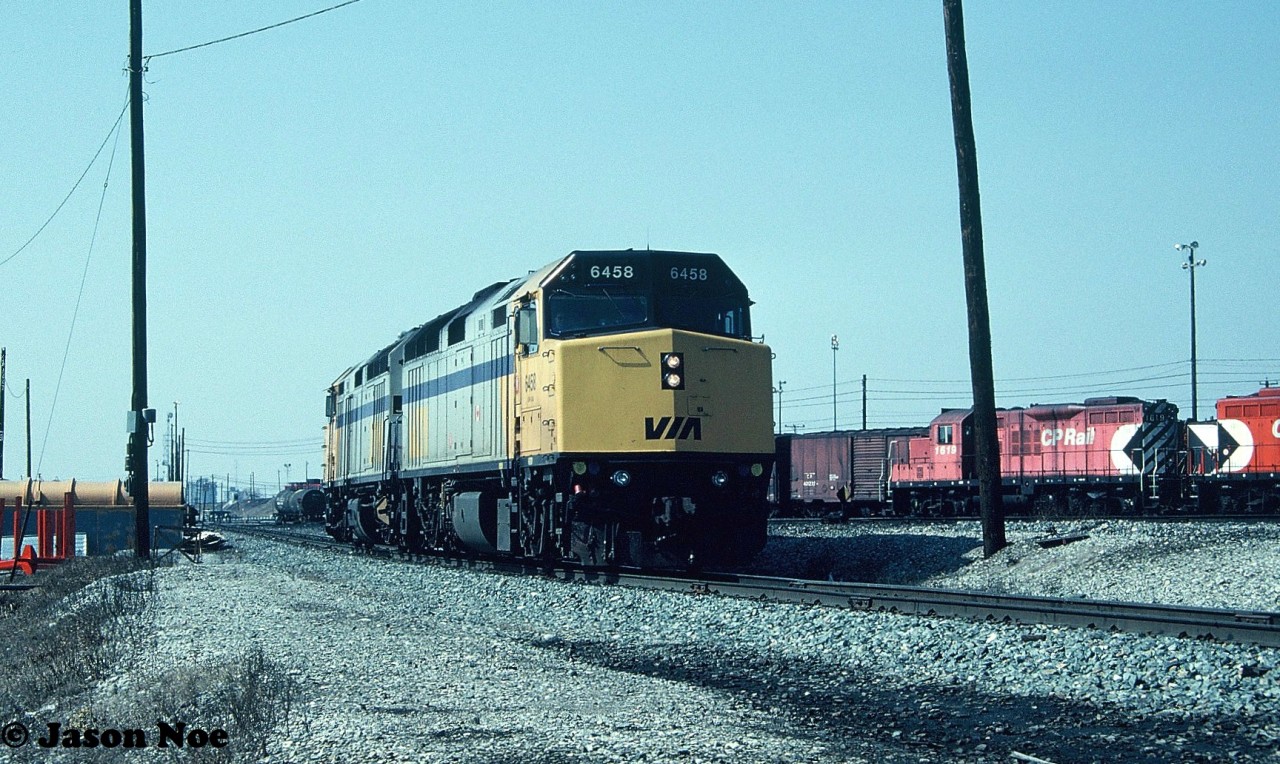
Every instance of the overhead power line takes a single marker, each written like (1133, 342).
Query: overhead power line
(253, 443)
(1076, 375)
(1104, 379)
(255, 454)
(63, 203)
(84, 275)
(1007, 380)
(252, 449)
(246, 34)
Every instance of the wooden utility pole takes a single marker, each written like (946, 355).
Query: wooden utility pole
(2, 381)
(138, 424)
(975, 285)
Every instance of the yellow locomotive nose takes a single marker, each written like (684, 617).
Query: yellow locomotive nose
(660, 391)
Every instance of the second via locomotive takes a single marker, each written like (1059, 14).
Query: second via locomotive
(609, 408)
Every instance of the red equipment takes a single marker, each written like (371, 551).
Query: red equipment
(845, 470)
(55, 536)
(1246, 439)
(1235, 461)
(1105, 454)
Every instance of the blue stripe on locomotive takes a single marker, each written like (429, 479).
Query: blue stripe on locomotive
(480, 373)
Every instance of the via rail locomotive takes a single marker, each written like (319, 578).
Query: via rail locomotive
(610, 408)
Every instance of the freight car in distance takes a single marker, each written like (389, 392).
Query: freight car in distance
(841, 473)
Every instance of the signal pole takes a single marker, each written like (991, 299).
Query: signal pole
(1190, 267)
(835, 345)
(778, 390)
(26, 396)
(139, 425)
(864, 401)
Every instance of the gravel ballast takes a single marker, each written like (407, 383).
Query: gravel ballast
(1228, 564)
(399, 662)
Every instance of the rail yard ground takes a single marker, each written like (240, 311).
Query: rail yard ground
(1221, 563)
(374, 660)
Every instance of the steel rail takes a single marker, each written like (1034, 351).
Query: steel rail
(1223, 625)
(1154, 519)
(1257, 627)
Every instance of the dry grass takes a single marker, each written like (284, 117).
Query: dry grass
(84, 617)
(92, 619)
(249, 696)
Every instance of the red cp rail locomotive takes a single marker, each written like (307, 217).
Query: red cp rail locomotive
(1235, 461)
(1110, 455)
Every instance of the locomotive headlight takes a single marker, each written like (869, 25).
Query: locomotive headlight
(621, 478)
(672, 364)
(719, 479)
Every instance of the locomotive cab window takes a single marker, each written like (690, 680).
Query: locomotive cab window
(945, 435)
(607, 293)
(594, 311)
(725, 316)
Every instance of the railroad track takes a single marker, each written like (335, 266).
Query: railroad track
(1202, 623)
(1256, 627)
(889, 520)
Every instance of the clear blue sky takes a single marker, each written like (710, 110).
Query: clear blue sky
(314, 190)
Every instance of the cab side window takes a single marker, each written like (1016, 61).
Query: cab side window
(944, 435)
(527, 329)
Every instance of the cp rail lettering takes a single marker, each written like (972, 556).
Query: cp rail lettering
(1068, 437)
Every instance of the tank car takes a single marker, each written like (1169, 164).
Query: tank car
(1108, 455)
(1235, 461)
(307, 504)
(610, 408)
(299, 505)
(285, 513)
